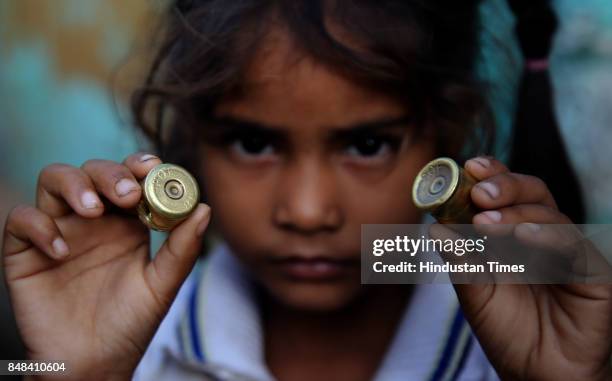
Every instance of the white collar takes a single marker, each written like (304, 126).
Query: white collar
(214, 325)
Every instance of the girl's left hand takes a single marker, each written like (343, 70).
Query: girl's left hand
(534, 332)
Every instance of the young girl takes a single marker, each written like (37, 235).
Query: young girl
(303, 120)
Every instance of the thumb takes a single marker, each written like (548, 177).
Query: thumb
(474, 291)
(177, 256)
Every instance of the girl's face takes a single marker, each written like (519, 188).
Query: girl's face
(293, 166)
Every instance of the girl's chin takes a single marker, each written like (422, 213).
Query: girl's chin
(315, 297)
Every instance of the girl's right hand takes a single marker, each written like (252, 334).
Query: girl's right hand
(81, 282)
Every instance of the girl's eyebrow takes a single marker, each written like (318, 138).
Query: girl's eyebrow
(233, 123)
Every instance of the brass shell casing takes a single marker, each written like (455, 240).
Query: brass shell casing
(443, 189)
(169, 195)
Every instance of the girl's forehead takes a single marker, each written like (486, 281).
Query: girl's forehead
(283, 85)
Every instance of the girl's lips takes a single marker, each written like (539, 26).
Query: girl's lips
(316, 269)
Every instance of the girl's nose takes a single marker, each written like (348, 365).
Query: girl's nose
(307, 199)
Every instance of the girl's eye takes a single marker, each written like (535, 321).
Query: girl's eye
(369, 147)
(252, 145)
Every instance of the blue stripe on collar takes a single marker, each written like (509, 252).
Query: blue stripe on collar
(193, 324)
(455, 350)
(189, 328)
(464, 356)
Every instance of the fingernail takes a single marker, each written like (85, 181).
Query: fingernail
(203, 222)
(147, 157)
(125, 186)
(60, 248)
(484, 162)
(491, 189)
(534, 228)
(89, 200)
(492, 215)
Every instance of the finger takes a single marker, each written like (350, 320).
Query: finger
(62, 188)
(509, 189)
(474, 290)
(567, 242)
(83, 236)
(502, 221)
(589, 274)
(115, 181)
(27, 226)
(547, 236)
(141, 163)
(176, 257)
(483, 167)
(509, 248)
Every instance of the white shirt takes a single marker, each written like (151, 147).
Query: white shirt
(213, 331)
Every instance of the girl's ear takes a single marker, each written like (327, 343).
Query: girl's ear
(538, 147)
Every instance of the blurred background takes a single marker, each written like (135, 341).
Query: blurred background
(67, 68)
(66, 71)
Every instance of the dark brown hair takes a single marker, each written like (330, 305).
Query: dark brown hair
(422, 51)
